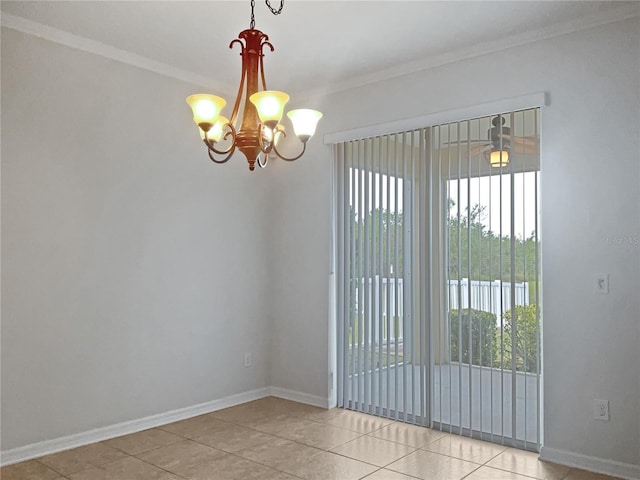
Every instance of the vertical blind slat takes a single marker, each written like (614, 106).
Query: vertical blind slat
(354, 314)
(366, 286)
(339, 262)
(425, 283)
(388, 279)
(469, 277)
(395, 265)
(405, 294)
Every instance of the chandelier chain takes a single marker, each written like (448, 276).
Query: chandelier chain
(275, 11)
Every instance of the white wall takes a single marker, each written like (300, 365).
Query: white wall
(590, 191)
(131, 278)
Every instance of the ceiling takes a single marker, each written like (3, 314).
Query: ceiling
(319, 45)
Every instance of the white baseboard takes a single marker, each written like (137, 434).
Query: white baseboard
(47, 447)
(593, 464)
(314, 400)
(600, 465)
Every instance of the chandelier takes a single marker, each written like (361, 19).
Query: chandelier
(260, 129)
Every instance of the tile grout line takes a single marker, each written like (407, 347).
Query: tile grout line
(195, 440)
(129, 455)
(302, 416)
(247, 459)
(47, 466)
(361, 434)
(158, 466)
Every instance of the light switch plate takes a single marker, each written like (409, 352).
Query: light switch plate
(601, 284)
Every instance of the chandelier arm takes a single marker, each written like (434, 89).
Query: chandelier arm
(265, 148)
(211, 143)
(234, 41)
(236, 105)
(260, 164)
(264, 82)
(275, 149)
(211, 148)
(224, 160)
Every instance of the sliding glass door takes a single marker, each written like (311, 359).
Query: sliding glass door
(486, 322)
(438, 287)
(382, 355)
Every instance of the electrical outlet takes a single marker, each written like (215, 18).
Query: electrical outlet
(601, 409)
(247, 359)
(601, 284)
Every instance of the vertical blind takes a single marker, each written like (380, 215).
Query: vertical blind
(382, 355)
(438, 287)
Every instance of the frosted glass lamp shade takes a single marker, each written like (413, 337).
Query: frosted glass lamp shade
(215, 133)
(304, 122)
(270, 106)
(206, 109)
(499, 158)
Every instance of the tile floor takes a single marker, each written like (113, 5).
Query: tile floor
(275, 439)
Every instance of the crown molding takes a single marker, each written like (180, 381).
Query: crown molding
(581, 23)
(84, 44)
(55, 35)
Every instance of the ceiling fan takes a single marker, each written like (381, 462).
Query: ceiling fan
(500, 143)
(499, 137)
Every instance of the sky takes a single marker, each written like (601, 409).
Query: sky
(483, 191)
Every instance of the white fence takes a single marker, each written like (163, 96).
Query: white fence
(383, 298)
(493, 297)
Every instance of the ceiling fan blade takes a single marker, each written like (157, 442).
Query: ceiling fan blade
(529, 150)
(518, 145)
(462, 143)
(521, 140)
(478, 149)
(529, 141)
(527, 145)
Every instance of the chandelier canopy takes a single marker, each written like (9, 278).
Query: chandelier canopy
(260, 128)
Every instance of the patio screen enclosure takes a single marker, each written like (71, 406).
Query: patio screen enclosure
(437, 277)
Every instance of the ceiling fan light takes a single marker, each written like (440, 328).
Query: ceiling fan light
(499, 158)
(206, 109)
(270, 106)
(304, 121)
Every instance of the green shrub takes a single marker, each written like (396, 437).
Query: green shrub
(481, 327)
(527, 339)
